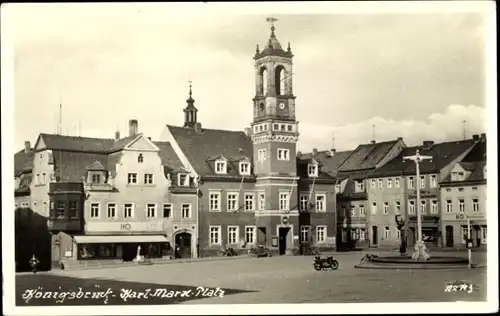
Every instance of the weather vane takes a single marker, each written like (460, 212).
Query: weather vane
(272, 20)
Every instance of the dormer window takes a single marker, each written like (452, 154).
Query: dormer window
(140, 158)
(244, 168)
(360, 186)
(457, 176)
(96, 178)
(312, 170)
(221, 167)
(183, 180)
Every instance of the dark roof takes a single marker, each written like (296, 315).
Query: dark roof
(478, 153)
(442, 153)
(367, 156)
(79, 144)
(273, 48)
(199, 147)
(23, 162)
(331, 164)
(72, 166)
(302, 171)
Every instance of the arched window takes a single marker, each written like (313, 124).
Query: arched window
(263, 81)
(140, 158)
(280, 80)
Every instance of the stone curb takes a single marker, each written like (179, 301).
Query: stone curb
(415, 267)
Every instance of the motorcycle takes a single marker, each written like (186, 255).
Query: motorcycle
(227, 252)
(259, 251)
(325, 263)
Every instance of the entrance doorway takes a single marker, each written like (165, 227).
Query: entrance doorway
(449, 236)
(375, 235)
(129, 251)
(261, 236)
(477, 235)
(182, 245)
(283, 234)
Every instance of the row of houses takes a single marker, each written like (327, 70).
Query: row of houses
(83, 200)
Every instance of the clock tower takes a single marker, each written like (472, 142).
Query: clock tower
(274, 137)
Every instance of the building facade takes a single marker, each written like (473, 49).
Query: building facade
(463, 196)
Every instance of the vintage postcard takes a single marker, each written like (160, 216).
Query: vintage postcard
(249, 158)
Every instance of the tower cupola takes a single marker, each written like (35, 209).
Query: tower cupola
(190, 111)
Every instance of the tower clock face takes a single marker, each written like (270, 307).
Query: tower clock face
(282, 106)
(261, 107)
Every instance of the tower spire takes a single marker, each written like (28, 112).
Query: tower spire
(271, 20)
(190, 111)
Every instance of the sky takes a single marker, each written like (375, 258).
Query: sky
(412, 75)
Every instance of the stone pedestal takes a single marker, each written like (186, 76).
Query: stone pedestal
(420, 253)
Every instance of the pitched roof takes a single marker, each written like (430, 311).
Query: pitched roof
(331, 164)
(23, 162)
(442, 153)
(367, 156)
(478, 153)
(303, 174)
(169, 158)
(79, 144)
(198, 147)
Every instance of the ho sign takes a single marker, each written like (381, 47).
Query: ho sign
(126, 226)
(460, 216)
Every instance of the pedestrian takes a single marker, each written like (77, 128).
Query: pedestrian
(34, 263)
(402, 248)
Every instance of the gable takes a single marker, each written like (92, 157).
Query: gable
(458, 168)
(40, 144)
(142, 143)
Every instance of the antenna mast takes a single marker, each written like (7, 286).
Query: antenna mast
(465, 129)
(373, 133)
(333, 140)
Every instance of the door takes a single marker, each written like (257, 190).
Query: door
(449, 236)
(477, 235)
(261, 236)
(374, 235)
(483, 234)
(283, 234)
(129, 252)
(183, 245)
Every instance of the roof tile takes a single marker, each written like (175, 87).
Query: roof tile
(367, 156)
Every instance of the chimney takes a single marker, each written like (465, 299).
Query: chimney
(483, 136)
(117, 135)
(475, 137)
(400, 138)
(427, 144)
(332, 152)
(133, 127)
(248, 131)
(315, 152)
(149, 138)
(27, 146)
(372, 142)
(197, 127)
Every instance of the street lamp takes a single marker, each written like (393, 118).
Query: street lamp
(420, 249)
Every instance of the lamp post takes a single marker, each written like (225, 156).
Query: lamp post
(420, 249)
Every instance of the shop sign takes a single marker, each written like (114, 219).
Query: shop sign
(149, 226)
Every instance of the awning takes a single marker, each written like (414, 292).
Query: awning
(119, 239)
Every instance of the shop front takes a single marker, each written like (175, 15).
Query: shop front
(431, 233)
(456, 230)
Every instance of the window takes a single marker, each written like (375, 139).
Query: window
(283, 201)
(73, 209)
(276, 127)
(249, 202)
(434, 206)
(37, 182)
(232, 201)
(411, 207)
(289, 128)
(422, 182)
(220, 167)
(461, 206)
(183, 180)
(43, 178)
(386, 233)
(215, 201)
(320, 203)
(386, 208)
(61, 208)
(474, 188)
(475, 205)
(148, 178)
(215, 238)
(374, 208)
(111, 210)
(396, 183)
(283, 154)
(128, 210)
(484, 234)
(232, 235)
(422, 206)
(320, 234)
(360, 186)
(262, 201)
(389, 183)
(398, 234)
(362, 234)
(460, 189)
(250, 234)
(312, 170)
(353, 211)
(151, 210)
(186, 210)
(140, 158)
(397, 207)
(381, 184)
(465, 234)
(449, 206)
(305, 233)
(304, 202)
(96, 178)
(337, 188)
(261, 155)
(342, 211)
(132, 178)
(362, 211)
(433, 181)
(353, 233)
(244, 168)
(94, 210)
(373, 183)
(410, 183)
(167, 210)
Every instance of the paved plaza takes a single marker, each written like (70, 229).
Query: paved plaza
(286, 279)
